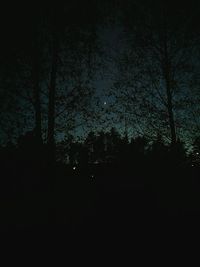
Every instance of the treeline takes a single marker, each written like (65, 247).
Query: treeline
(107, 147)
(101, 147)
(113, 147)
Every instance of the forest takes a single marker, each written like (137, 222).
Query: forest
(99, 114)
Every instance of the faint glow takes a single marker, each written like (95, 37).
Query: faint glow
(92, 176)
(105, 103)
(192, 165)
(197, 153)
(74, 168)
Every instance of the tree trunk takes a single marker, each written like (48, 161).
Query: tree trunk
(170, 113)
(36, 93)
(52, 92)
(167, 77)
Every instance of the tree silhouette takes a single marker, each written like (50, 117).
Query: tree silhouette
(156, 69)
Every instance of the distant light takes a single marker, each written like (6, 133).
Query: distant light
(197, 153)
(74, 168)
(105, 103)
(192, 165)
(92, 176)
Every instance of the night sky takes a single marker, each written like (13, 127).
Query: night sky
(104, 65)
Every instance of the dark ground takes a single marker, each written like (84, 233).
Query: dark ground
(98, 196)
(102, 205)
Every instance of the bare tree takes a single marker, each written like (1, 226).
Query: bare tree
(158, 64)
